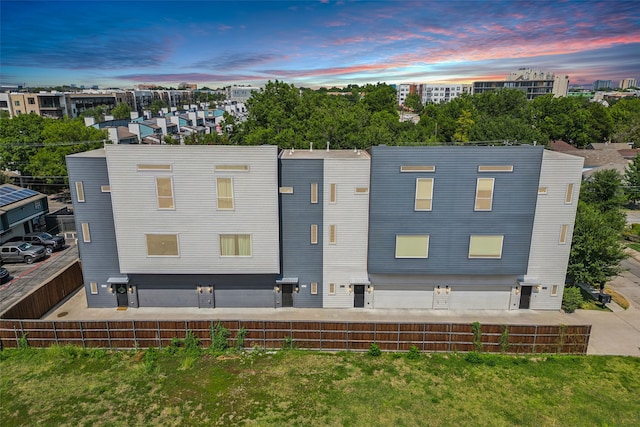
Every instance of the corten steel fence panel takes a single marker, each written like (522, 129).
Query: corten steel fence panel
(313, 335)
(40, 301)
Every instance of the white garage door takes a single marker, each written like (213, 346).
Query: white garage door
(389, 296)
(479, 298)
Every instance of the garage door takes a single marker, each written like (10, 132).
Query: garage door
(390, 296)
(479, 298)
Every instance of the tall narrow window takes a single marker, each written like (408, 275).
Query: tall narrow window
(94, 288)
(86, 235)
(314, 234)
(485, 247)
(225, 193)
(554, 290)
(424, 194)
(314, 288)
(164, 188)
(333, 193)
(332, 288)
(332, 234)
(314, 193)
(235, 245)
(563, 234)
(568, 198)
(484, 194)
(79, 191)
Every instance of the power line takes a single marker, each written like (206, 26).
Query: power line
(54, 144)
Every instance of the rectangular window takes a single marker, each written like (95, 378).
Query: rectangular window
(164, 189)
(333, 193)
(86, 236)
(417, 168)
(105, 188)
(32, 101)
(496, 168)
(16, 103)
(225, 193)
(314, 289)
(568, 198)
(239, 168)
(332, 288)
(554, 290)
(332, 234)
(362, 190)
(563, 234)
(542, 190)
(150, 167)
(162, 245)
(80, 191)
(314, 234)
(235, 245)
(314, 193)
(94, 288)
(286, 190)
(485, 247)
(484, 194)
(412, 246)
(424, 194)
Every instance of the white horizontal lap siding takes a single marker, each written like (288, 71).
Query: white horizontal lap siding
(479, 298)
(407, 296)
(196, 218)
(347, 259)
(547, 258)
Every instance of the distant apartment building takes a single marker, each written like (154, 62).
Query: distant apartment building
(403, 90)
(240, 93)
(533, 83)
(628, 83)
(601, 84)
(436, 93)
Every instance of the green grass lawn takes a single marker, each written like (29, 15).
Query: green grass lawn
(634, 246)
(67, 386)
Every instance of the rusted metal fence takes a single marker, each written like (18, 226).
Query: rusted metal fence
(329, 336)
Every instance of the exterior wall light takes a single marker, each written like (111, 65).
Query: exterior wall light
(277, 289)
(448, 290)
(369, 288)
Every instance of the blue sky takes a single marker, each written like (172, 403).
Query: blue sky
(313, 43)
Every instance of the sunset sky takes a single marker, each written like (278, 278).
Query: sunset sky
(313, 43)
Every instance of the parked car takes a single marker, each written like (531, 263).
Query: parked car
(21, 252)
(51, 243)
(4, 276)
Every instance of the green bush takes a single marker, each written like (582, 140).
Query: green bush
(191, 343)
(572, 299)
(219, 337)
(414, 353)
(374, 350)
(242, 333)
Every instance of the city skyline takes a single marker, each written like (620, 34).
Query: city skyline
(313, 43)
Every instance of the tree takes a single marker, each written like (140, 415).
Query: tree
(464, 124)
(121, 111)
(413, 102)
(157, 105)
(604, 191)
(632, 180)
(19, 140)
(596, 249)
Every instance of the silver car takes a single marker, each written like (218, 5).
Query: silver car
(22, 252)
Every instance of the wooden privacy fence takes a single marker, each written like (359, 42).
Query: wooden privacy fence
(329, 336)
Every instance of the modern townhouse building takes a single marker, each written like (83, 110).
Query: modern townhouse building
(470, 227)
(193, 226)
(444, 227)
(435, 93)
(324, 206)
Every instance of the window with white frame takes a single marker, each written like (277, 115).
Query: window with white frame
(235, 245)
(563, 234)
(485, 246)
(86, 235)
(94, 288)
(79, 191)
(314, 192)
(225, 192)
(554, 290)
(484, 194)
(314, 234)
(568, 198)
(424, 194)
(164, 189)
(333, 193)
(412, 246)
(105, 188)
(314, 288)
(162, 245)
(332, 288)
(332, 234)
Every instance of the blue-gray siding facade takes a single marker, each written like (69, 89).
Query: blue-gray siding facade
(452, 219)
(100, 255)
(300, 258)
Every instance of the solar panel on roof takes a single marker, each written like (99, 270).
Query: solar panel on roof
(10, 195)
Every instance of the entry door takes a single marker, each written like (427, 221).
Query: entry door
(525, 296)
(121, 295)
(358, 295)
(287, 295)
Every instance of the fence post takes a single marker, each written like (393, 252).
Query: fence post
(135, 337)
(424, 335)
(82, 336)
(108, 334)
(450, 336)
(264, 335)
(347, 336)
(55, 333)
(15, 333)
(159, 334)
(398, 340)
(535, 339)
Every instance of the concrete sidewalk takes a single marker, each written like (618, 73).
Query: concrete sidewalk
(612, 333)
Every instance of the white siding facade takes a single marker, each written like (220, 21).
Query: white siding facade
(548, 257)
(195, 217)
(345, 262)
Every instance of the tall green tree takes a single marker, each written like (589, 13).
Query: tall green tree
(414, 103)
(464, 124)
(121, 111)
(604, 190)
(632, 180)
(20, 138)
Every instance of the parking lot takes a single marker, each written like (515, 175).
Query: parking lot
(27, 277)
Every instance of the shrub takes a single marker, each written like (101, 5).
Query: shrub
(23, 343)
(219, 337)
(477, 336)
(191, 343)
(504, 339)
(414, 353)
(572, 299)
(473, 357)
(288, 343)
(242, 333)
(374, 350)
